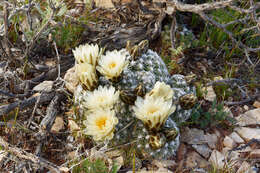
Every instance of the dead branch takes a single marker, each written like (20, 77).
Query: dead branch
(52, 111)
(197, 8)
(173, 30)
(47, 122)
(242, 101)
(45, 97)
(230, 34)
(49, 75)
(6, 26)
(38, 161)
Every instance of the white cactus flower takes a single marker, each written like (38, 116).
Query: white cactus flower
(86, 74)
(153, 112)
(88, 53)
(112, 64)
(100, 124)
(161, 90)
(101, 98)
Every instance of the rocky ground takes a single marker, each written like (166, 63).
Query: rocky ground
(38, 128)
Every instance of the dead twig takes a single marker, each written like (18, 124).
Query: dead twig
(48, 120)
(197, 8)
(5, 109)
(34, 109)
(6, 13)
(38, 161)
(58, 60)
(243, 101)
(173, 30)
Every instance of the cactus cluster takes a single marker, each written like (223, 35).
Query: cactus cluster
(132, 100)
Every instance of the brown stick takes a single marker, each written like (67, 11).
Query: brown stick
(28, 156)
(198, 8)
(5, 109)
(6, 13)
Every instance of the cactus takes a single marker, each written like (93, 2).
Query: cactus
(144, 74)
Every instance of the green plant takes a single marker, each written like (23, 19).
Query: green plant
(215, 115)
(98, 165)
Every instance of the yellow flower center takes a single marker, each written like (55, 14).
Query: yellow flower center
(112, 65)
(152, 110)
(101, 99)
(101, 122)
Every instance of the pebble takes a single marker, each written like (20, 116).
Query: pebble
(248, 133)
(217, 159)
(229, 142)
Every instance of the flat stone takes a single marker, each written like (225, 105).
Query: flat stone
(246, 107)
(71, 80)
(194, 160)
(230, 155)
(210, 94)
(256, 104)
(193, 136)
(164, 163)
(217, 159)
(58, 125)
(44, 86)
(229, 142)
(255, 154)
(248, 133)
(236, 138)
(211, 140)
(104, 3)
(73, 126)
(203, 150)
(117, 156)
(245, 167)
(251, 117)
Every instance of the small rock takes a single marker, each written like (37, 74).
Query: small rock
(58, 125)
(163, 163)
(217, 159)
(212, 140)
(229, 142)
(203, 150)
(209, 93)
(117, 156)
(194, 160)
(44, 86)
(193, 136)
(256, 104)
(72, 155)
(71, 80)
(255, 154)
(64, 169)
(251, 117)
(73, 126)
(246, 107)
(236, 138)
(248, 133)
(226, 109)
(104, 3)
(245, 167)
(231, 155)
